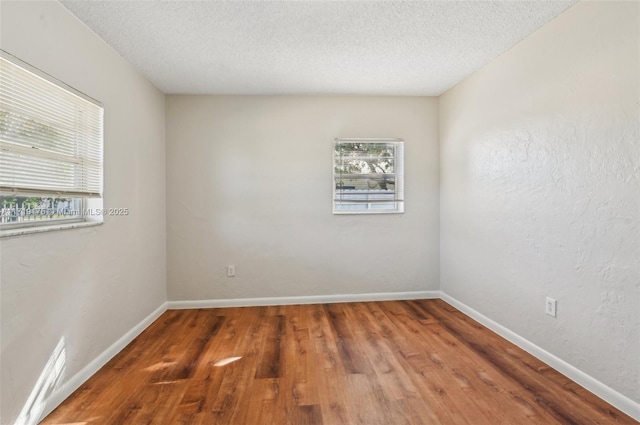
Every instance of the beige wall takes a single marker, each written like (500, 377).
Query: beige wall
(250, 184)
(538, 196)
(540, 190)
(87, 287)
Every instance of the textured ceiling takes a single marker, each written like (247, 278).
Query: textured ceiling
(264, 47)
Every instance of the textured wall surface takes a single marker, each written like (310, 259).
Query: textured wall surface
(540, 190)
(540, 196)
(249, 182)
(85, 287)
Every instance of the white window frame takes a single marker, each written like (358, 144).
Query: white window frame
(20, 83)
(355, 203)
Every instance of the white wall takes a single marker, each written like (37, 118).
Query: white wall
(249, 183)
(90, 286)
(540, 190)
(540, 196)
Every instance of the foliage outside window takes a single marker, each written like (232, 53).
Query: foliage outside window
(50, 149)
(368, 176)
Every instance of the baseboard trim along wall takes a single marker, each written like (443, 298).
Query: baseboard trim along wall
(67, 388)
(606, 393)
(613, 397)
(313, 299)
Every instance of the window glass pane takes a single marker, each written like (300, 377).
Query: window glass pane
(17, 210)
(367, 176)
(51, 149)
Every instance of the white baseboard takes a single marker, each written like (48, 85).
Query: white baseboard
(68, 387)
(606, 393)
(314, 299)
(613, 397)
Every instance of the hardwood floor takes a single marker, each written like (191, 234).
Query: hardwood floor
(387, 363)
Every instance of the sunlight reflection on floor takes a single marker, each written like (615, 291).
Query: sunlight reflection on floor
(226, 361)
(158, 366)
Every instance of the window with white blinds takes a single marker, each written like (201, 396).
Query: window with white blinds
(51, 141)
(368, 176)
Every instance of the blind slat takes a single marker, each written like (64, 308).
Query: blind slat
(51, 137)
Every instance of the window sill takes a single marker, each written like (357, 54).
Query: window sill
(365, 212)
(9, 233)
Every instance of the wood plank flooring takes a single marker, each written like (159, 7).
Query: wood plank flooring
(388, 363)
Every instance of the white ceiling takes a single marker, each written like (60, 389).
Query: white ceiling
(312, 47)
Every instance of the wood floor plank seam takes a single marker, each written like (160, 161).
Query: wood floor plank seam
(416, 362)
(544, 395)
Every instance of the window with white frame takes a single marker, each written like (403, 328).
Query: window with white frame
(51, 142)
(368, 176)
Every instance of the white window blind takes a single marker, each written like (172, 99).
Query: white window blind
(51, 136)
(368, 176)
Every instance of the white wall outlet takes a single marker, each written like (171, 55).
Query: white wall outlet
(231, 270)
(550, 306)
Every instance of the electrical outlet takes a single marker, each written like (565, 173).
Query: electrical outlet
(550, 306)
(231, 270)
